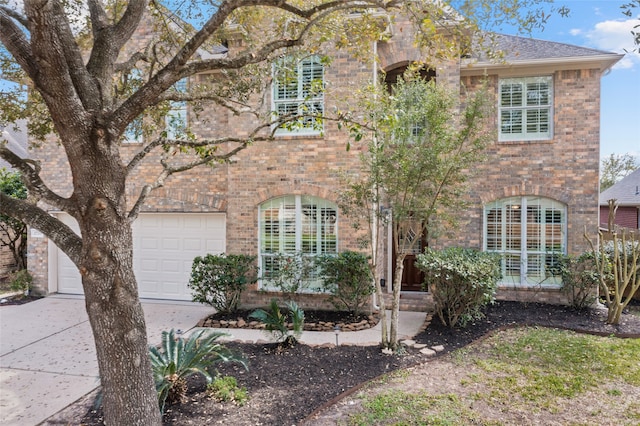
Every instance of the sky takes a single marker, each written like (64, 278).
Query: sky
(601, 25)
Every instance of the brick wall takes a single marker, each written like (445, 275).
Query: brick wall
(564, 168)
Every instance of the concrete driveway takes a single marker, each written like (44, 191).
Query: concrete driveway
(47, 353)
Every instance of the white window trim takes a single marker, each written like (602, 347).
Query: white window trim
(319, 98)
(524, 136)
(523, 252)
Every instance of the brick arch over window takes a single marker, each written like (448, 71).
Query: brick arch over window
(396, 70)
(292, 188)
(180, 200)
(525, 189)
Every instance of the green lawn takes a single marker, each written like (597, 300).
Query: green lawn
(518, 376)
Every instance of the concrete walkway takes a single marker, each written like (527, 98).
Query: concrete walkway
(47, 353)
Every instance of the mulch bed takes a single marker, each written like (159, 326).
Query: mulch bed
(286, 386)
(18, 299)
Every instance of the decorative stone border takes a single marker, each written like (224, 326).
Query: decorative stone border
(365, 324)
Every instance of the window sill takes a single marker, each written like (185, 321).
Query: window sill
(297, 136)
(525, 141)
(529, 287)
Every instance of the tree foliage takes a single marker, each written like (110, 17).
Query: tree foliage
(614, 168)
(13, 232)
(422, 148)
(628, 9)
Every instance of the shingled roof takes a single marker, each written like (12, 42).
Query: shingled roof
(627, 191)
(528, 50)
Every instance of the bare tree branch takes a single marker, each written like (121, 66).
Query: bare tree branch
(200, 143)
(30, 172)
(109, 40)
(16, 42)
(58, 232)
(99, 18)
(15, 15)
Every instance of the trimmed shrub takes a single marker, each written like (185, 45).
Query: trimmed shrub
(580, 279)
(219, 280)
(347, 278)
(463, 281)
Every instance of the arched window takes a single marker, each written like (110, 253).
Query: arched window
(530, 235)
(296, 225)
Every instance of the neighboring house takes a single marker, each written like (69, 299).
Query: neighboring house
(15, 138)
(626, 192)
(530, 201)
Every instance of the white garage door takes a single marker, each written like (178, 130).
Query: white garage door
(164, 245)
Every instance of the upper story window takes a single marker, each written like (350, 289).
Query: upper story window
(298, 90)
(530, 235)
(525, 106)
(176, 118)
(296, 226)
(175, 121)
(133, 132)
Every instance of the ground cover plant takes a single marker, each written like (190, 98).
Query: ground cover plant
(285, 387)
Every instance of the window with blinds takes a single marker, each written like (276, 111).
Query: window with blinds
(525, 106)
(530, 235)
(295, 225)
(298, 98)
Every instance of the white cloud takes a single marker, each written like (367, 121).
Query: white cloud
(575, 31)
(615, 36)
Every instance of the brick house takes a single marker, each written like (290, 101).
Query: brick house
(627, 196)
(530, 200)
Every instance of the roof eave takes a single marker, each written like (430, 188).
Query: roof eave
(603, 62)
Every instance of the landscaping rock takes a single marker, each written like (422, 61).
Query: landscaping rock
(427, 352)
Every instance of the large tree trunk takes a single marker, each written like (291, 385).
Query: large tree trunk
(111, 293)
(118, 325)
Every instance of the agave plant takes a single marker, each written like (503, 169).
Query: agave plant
(275, 321)
(178, 358)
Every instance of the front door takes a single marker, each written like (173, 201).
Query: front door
(412, 277)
